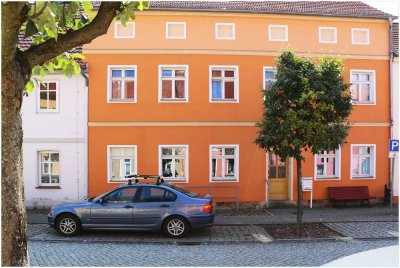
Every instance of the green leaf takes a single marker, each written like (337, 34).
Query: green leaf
(36, 70)
(77, 56)
(30, 28)
(42, 72)
(87, 6)
(30, 86)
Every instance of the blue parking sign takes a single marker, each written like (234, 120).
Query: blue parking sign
(394, 145)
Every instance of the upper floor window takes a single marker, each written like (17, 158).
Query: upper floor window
(278, 32)
(174, 162)
(327, 34)
(176, 30)
(362, 86)
(327, 164)
(121, 161)
(224, 164)
(122, 83)
(225, 31)
(48, 96)
(173, 83)
(122, 31)
(269, 77)
(224, 83)
(363, 161)
(359, 36)
(49, 168)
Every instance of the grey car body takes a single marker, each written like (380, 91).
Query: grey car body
(117, 210)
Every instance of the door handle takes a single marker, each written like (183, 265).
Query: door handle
(128, 206)
(164, 206)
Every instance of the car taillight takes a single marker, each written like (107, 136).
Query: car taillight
(208, 208)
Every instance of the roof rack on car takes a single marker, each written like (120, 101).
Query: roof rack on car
(136, 176)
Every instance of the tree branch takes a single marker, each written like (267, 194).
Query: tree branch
(35, 15)
(37, 55)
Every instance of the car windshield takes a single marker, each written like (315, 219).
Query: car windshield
(184, 191)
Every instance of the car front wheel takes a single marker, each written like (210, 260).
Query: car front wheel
(68, 225)
(175, 227)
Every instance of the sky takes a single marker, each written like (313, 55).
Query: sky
(388, 6)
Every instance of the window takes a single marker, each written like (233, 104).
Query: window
(277, 169)
(48, 96)
(122, 161)
(362, 161)
(173, 83)
(224, 162)
(174, 162)
(176, 30)
(278, 32)
(269, 77)
(359, 36)
(327, 165)
(225, 31)
(152, 194)
(122, 31)
(122, 83)
(49, 168)
(125, 195)
(327, 34)
(224, 84)
(362, 86)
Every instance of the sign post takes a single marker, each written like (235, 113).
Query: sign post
(393, 153)
(307, 185)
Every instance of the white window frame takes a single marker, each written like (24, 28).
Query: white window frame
(118, 23)
(235, 178)
(373, 85)
(353, 42)
(373, 163)
(271, 69)
(57, 110)
(173, 100)
(40, 184)
(109, 83)
(338, 154)
(270, 26)
(327, 28)
(160, 157)
(176, 23)
(225, 24)
(236, 80)
(109, 162)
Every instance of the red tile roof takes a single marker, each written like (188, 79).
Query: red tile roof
(395, 35)
(318, 8)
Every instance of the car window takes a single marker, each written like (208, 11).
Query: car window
(125, 195)
(153, 194)
(184, 191)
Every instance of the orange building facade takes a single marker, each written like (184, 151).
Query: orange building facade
(178, 93)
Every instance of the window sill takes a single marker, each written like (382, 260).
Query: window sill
(363, 178)
(224, 180)
(326, 178)
(363, 103)
(122, 101)
(173, 100)
(224, 100)
(48, 187)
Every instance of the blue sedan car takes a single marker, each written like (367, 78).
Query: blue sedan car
(139, 206)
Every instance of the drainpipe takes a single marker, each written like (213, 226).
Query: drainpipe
(84, 72)
(391, 105)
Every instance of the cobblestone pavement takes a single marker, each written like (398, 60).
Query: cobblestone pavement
(366, 229)
(230, 255)
(237, 233)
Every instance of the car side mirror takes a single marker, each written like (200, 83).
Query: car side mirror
(100, 201)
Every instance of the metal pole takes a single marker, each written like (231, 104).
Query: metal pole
(391, 183)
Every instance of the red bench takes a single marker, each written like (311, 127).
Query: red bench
(349, 193)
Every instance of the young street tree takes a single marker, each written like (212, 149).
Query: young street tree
(55, 28)
(306, 109)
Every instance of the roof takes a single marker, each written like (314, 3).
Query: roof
(395, 36)
(316, 8)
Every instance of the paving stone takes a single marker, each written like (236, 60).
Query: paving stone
(366, 229)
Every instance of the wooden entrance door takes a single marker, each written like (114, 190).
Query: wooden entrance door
(277, 178)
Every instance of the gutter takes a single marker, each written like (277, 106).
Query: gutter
(391, 52)
(84, 72)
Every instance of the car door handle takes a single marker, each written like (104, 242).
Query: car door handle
(164, 206)
(128, 206)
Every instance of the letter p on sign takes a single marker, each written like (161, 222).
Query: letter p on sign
(393, 148)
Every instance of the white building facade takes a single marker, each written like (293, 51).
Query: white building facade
(55, 141)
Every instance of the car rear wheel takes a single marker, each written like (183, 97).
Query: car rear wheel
(68, 225)
(175, 227)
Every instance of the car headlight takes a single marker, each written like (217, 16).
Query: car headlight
(52, 212)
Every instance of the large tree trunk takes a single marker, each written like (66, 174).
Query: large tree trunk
(14, 249)
(299, 196)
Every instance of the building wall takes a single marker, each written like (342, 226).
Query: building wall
(396, 125)
(64, 131)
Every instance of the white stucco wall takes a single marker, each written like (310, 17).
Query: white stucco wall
(396, 117)
(64, 131)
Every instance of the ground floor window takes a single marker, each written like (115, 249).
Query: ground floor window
(277, 169)
(122, 161)
(362, 161)
(224, 164)
(327, 164)
(174, 162)
(49, 168)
